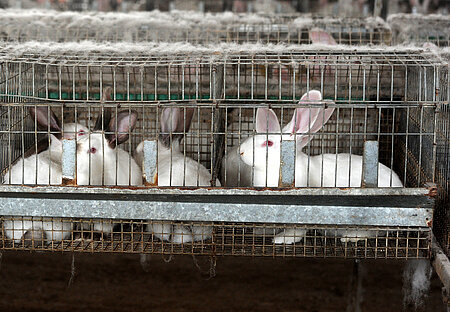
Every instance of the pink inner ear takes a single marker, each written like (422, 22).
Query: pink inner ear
(311, 96)
(169, 119)
(267, 121)
(322, 119)
(306, 117)
(320, 36)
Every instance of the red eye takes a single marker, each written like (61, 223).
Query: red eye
(267, 143)
(92, 150)
(81, 132)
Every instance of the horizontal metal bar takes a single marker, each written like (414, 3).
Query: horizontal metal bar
(388, 191)
(357, 206)
(217, 212)
(230, 103)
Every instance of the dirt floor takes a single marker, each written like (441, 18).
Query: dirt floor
(39, 282)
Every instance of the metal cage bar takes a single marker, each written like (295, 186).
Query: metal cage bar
(386, 95)
(198, 28)
(418, 28)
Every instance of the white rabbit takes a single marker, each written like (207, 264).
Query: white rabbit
(100, 161)
(253, 163)
(176, 169)
(262, 152)
(326, 170)
(48, 172)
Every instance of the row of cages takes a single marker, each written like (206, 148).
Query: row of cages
(224, 153)
(196, 28)
(417, 28)
(22, 26)
(213, 238)
(148, 73)
(199, 28)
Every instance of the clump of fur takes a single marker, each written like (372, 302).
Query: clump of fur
(416, 282)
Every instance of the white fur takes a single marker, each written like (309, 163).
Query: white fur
(48, 172)
(334, 170)
(253, 163)
(327, 170)
(107, 166)
(184, 173)
(176, 169)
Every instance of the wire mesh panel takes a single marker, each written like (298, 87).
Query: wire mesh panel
(442, 225)
(170, 232)
(417, 28)
(145, 73)
(180, 27)
(215, 239)
(227, 121)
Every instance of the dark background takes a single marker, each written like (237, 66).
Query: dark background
(39, 282)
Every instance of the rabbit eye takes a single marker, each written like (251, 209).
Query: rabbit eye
(267, 143)
(81, 132)
(92, 150)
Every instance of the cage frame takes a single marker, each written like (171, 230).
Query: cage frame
(204, 28)
(218, 98)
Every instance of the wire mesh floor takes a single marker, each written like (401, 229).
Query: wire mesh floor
(226, 239)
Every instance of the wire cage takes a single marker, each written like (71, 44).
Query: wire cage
(177, 26)
(198, 106)
(443, 167)
(418, 28)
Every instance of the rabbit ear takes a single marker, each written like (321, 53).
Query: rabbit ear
(266, 121)
(169, 119)
(321, 36)
(322, 118)
(104, 118)
(318, 118)
(305, 117)
(120, 127)
(106, 94)
(45, 118)
(175, 120)
(54, 141)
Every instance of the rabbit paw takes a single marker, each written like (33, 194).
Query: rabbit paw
(264, 231)
(201, 233)
(181, 235)
(103, 227)
(290, 236)
(354, 236)
(161, 230)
